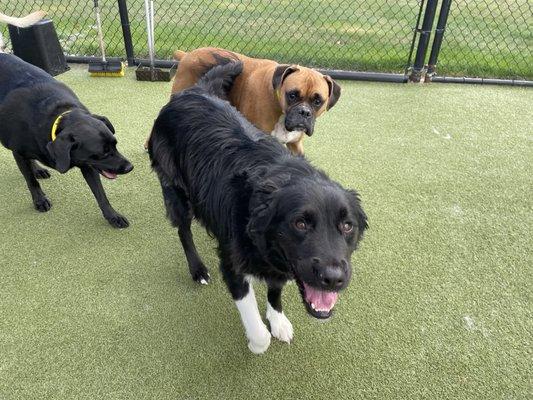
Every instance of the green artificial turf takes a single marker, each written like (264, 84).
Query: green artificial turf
(439, 307)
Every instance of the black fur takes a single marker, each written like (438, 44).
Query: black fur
(252, 195)
(30, 102)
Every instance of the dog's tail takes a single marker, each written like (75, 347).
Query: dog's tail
(23, 22)
(219, 80)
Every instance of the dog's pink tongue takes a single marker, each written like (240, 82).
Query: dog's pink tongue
(322, 300)
(109, 175)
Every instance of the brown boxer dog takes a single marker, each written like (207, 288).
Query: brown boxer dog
(281, 99)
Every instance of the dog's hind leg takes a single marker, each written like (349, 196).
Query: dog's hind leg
(40, 201)
(280, 326)
(180, 214)
(38, 171)
(242, 291)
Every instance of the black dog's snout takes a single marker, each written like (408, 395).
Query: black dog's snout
(332, 278)
(124, 168)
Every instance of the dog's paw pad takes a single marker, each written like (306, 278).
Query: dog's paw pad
(118, 221)
(280, 326)
(41, 173)
(42, 204)
(260, 342)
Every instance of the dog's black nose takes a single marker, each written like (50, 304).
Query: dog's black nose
(332, 278)
(126, 168)
(305, 112)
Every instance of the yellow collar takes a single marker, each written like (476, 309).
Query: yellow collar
(56, 124)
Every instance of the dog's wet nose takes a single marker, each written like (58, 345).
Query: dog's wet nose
(127, 168)
(305, 112)
(332, 278)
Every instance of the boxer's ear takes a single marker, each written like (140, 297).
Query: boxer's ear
(282, 72)
(334, 91)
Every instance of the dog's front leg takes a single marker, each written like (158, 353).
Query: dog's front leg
(38, 171)
(92, 177)
(296, 148)
(243, 293)
(280, 326)
(40, 201)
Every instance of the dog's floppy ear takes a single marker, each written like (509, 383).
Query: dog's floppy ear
(280, 73)
(334, 91)
(360, 216)
(59, 150)
(106, 122)
(262, 208)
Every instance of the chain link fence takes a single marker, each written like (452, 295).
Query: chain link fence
(485, 38)
(75, 23)
(362, 35)
(488, 38)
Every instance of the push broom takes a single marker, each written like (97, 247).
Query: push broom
(151, 73)
(112, 67)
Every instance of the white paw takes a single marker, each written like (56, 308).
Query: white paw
(259, 342)
(280, 326)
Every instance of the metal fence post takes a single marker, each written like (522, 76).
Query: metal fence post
(423, 42)
(416, 29)
(126, 32)
(437, 41)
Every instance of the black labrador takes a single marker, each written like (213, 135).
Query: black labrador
(275, 216)
(42, 119)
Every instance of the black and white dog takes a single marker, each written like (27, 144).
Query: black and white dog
(42, 119)
(276, 217)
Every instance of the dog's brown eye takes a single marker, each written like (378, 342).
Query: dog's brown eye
(300, 224)
(347, 227)
(317, 102)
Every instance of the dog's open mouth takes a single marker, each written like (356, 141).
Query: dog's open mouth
(318, 303)
(107, 174)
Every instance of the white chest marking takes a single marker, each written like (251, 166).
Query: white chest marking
(283, 135)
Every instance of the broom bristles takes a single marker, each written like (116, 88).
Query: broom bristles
(106, 69)
(108, 74)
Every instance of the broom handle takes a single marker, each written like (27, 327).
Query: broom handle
(100, 34)
(152, 57)
(149, 32)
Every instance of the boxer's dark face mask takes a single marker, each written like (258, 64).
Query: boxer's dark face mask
(303, 94)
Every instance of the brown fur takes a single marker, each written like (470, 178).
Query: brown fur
(253, 93)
